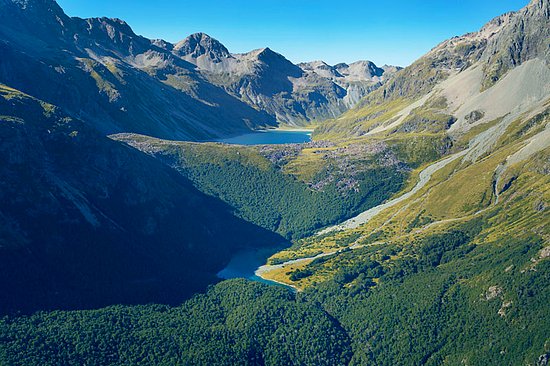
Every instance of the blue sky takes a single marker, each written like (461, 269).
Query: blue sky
(396, 32)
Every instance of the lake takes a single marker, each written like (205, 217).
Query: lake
(269, 137)
(244, 263)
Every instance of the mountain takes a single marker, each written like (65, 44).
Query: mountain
(100, 71)
(86, 221)
(455, 268)
(461, 73)
(447, 264)
(294, 94)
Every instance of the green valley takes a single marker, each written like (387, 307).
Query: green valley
(413, 229)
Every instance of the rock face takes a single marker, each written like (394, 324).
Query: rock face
(500, 71)
(86, 221)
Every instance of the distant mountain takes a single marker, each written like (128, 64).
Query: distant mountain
(100, 71)
(86, 221)
(295, 94)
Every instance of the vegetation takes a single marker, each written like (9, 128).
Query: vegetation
(261, 191)
(443, 299)
(235, 323)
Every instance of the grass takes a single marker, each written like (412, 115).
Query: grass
(359, 121)
(307, 165)
(455, 193)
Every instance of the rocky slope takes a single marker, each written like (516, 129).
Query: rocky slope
(99, 70)
(456, 267)
(86, 221)
(457, 75)
(492, 131)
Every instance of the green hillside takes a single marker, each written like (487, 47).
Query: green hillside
(290, 189)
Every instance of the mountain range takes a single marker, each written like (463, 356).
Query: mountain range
(100, 71)
(412, 229)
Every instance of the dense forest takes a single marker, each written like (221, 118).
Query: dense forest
(236, 323)
(444, 301)
(261, 191)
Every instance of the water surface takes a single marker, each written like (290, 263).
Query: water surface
(244, 263)
(269, 137)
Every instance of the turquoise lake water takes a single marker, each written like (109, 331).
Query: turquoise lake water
(245, 262)
(270, 137)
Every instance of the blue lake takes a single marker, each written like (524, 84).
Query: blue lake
(269, 137)
(244, 263)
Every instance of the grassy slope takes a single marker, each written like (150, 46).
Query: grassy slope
(448, 276)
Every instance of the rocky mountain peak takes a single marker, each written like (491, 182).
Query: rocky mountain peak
(113, 27)
(43, 18)
(200, 44)
(276, 61)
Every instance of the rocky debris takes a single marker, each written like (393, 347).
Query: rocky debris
(502, 310)
(281, 155)
(492, 293)
(474, 116)
(540, 206)
(545, 253)
(345, 164)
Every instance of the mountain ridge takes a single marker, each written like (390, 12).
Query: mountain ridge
(73, 54)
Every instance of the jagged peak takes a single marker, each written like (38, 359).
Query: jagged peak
(267, 54)
(114, 23)
(37, 8)
(341, 65)
(317, 64)
(198, 44)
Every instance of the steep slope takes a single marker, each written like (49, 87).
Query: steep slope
(294, 94)
(99, 70)
(490, 131)
(86, 221)
(436, 89)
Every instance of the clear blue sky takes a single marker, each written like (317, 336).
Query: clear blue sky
(395, 32)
